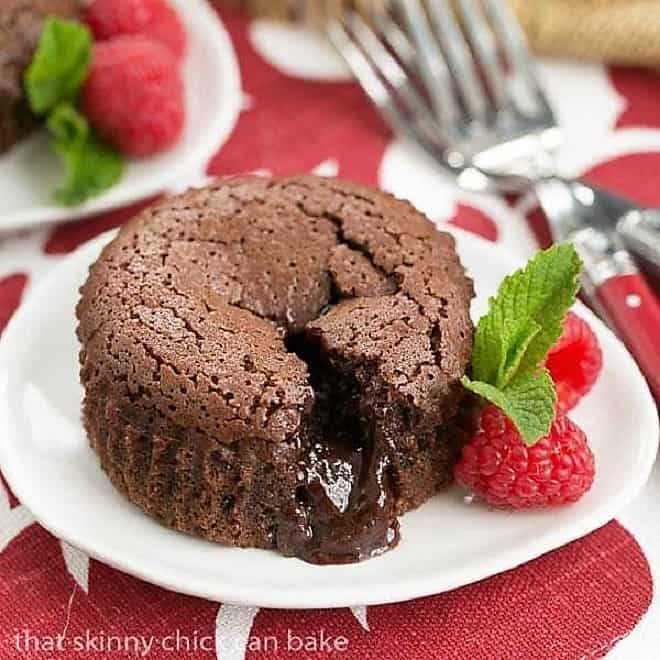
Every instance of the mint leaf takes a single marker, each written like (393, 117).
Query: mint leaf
(489, 350)
(529, 402)
(52, 82)
(91, 168)
(523, 321)
(91, 165)
(525, 318)
(67, 125)
(518, 350)
(59, 66)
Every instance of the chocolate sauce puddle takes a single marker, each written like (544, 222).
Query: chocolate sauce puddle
(344, 506)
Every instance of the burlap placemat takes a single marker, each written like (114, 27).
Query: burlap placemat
(616, 31)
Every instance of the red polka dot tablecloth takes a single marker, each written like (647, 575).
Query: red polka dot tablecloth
(589, 599)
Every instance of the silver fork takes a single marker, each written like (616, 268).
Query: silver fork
(443, 84)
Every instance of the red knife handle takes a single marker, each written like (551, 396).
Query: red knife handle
(617, 290)
(634, 312)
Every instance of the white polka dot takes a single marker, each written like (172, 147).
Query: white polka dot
(298, 51)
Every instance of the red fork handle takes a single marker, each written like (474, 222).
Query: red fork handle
(634, 312)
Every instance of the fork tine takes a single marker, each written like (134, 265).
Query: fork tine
(461, 62)
(514, 44)
(433, 67)
(484, 45)
(390, 69)
(379, 93)
(396, 38)
(364, 72)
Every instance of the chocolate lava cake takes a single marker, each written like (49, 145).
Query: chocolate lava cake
(275, 363)
(20, 28)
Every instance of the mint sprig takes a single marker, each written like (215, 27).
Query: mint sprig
(512, 340)
(59, 66)
(91, 165)
(52, 83)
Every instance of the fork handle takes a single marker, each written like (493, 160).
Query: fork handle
(634, 311)
(620, 293)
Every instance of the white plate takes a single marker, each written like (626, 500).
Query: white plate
(30, 172)
(446, 543)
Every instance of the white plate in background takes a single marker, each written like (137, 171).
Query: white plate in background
(30, 171)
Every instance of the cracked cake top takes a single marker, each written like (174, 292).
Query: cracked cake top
(189, 311)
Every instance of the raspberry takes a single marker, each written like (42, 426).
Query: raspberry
(151, 18)
(574, 362)
(499, 468)
(133, 95)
